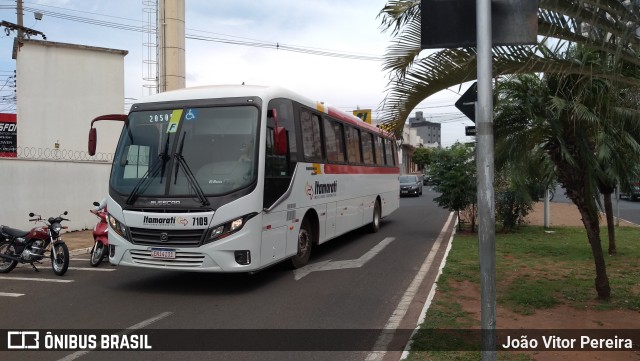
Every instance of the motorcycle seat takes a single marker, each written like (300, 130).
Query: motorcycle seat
(13, 232)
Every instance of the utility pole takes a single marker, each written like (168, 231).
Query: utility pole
(20, 20)
(485, 169)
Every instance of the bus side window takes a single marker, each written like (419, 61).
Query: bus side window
(379, 150)
(279, 169)
(353, 145)
(333, 141)
(275, 165)
(388, 152)
(311, 136)
(367, 148)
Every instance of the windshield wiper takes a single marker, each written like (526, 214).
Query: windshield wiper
(193, 182)
(144, 182)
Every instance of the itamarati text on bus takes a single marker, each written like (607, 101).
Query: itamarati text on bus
(237, 178)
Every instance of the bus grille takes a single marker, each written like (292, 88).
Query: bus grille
(175, 238)
(182, 260)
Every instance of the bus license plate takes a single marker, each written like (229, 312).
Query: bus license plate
(163, 253)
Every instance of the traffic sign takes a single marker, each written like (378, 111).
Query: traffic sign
(466, 103)
(452, 23)
(470, 131)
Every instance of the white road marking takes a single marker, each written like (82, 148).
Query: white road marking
(34, 279)
(350, 263)
(432, 294)
(126, 331)
(92, 269)
(393, 323)
(8, 294)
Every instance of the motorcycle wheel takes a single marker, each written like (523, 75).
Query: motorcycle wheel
(97, 253)
(59, 258)
(7, 265)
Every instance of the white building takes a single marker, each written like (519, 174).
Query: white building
(60, 89)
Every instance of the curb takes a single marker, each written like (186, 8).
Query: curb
(79, 251)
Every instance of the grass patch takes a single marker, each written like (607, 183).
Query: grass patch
(534, 270)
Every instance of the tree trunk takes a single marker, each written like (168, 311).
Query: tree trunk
(473, 218)
(611, 229)
(577, 189)
(590, 221)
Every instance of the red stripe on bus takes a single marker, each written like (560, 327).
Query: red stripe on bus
(353, 120)
(358, 169)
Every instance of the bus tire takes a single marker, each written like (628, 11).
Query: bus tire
(375, 222)
(305, 242)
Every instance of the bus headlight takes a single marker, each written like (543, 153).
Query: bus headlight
(226, 229)
(117, 226)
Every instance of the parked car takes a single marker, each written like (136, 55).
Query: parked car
(632, 192)
(410, 185)
(426, 180)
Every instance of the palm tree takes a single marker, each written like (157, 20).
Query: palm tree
(565, 117)
(578, 89)
(560, 22)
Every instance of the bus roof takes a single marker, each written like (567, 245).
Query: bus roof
(264, 92)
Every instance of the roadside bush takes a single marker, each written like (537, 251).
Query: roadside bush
(512, 209)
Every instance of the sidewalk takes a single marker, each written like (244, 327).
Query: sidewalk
(79, 242)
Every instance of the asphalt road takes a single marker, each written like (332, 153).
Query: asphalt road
(342, 309)
(623, 208)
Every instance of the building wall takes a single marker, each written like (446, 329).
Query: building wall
(48, 188)
(430, 132)
(60, 89)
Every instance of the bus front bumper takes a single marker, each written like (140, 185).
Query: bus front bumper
(214, 257)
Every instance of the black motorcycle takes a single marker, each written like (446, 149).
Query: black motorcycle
(30, 246)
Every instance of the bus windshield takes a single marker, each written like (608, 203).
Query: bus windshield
(187, 152)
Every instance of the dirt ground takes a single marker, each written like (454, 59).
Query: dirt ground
(79, 242)
(560, 214)
(560, 317)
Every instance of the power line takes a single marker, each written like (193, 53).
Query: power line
(225, 39)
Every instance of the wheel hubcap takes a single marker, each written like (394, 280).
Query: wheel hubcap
(303, 242)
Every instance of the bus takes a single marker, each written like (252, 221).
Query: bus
(238, 178)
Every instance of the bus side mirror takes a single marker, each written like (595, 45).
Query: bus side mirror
(280, 141)
(93, 140)
(93, 133)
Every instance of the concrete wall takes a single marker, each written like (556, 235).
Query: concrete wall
(60, 89)
(49, 188)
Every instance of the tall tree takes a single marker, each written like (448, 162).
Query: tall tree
(414, 76)
(575, 86)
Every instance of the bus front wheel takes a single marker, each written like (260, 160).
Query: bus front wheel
(305, 241)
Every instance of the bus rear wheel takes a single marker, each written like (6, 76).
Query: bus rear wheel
(305, 242)
(375, 222)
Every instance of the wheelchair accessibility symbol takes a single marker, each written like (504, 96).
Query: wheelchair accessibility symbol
(191, 114)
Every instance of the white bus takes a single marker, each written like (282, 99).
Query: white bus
(237, 178)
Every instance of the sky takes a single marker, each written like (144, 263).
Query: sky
(350, 77)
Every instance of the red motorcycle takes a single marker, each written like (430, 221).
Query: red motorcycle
(100, 237)
(30, 246)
